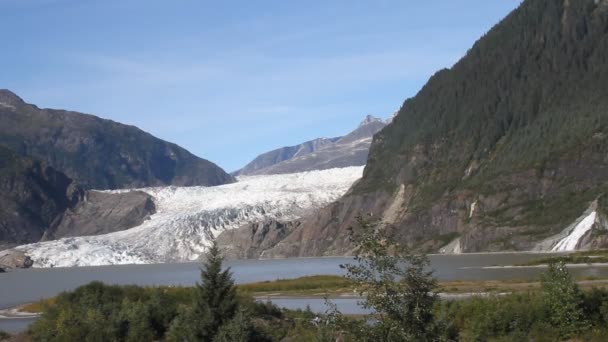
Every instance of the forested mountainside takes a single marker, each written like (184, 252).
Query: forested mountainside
(503, 151)
(98, 153)
(318, 154)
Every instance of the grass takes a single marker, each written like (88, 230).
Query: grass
(584, 257)
(4, 335)
(38, 306)
(300, 286)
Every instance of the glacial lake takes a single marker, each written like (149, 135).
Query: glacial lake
(25, 286)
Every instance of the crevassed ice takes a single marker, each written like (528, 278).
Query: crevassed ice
(187, 218)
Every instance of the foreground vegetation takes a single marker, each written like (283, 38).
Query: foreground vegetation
(394, 284)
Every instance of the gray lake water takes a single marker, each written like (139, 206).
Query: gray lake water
(25, 286)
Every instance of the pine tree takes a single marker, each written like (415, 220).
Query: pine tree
(215, 303)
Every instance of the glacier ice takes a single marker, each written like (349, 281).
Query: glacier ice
(187, 218)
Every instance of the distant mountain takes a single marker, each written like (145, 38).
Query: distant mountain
(318, 154)
(99, 153)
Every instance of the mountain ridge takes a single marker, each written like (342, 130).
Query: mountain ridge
(318, 154)
(100, 153)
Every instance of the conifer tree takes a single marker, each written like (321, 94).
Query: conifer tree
(215, 302)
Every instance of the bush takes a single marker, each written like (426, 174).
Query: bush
(102, 312)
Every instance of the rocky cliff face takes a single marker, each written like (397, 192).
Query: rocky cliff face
(38, 203)
(98, 153)
(318, 154)
(253, 240)
(32, 196)
(503, 151)
(101, 213)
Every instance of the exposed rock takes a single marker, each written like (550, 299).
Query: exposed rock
(102, 213)
(38, 203)
(251, 240)
(11, 259)
(32, 197)
(318, 154)
(98, 153)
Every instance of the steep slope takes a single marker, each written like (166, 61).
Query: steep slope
(187, 218)
(98, 153)
(319, 154)
(101, 213)
(38, 203)
(32, 197)
(268, 159)
(501, 152)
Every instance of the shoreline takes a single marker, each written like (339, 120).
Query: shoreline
(598, 264)
(16, 313)
(292, 258)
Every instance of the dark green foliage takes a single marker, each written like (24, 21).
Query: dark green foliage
(4, 335)
(212, 311)
(524, 114)
(239, 329)
(215, 302)
(98, 312)
(530, 90)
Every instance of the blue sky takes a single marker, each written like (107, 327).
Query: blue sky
(231, 79)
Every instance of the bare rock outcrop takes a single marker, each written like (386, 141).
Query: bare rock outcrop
(12, 259)
(102, 213)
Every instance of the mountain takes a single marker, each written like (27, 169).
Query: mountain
(506, 150)
(188, 218)
(98, 153)
(274, 157)
(318, 154)
(32, 196)
(39, 203)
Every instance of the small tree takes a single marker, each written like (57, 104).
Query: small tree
(215, 303)
(563, 299)
(396, 285)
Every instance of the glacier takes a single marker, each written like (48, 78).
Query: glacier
(188, 218)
